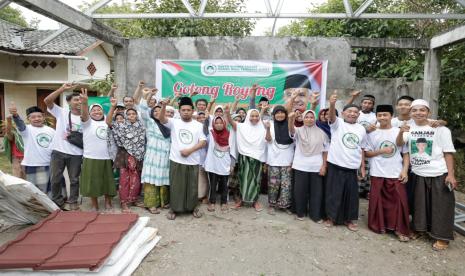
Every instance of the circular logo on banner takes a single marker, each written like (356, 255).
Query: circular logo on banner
(209, 69)
(350, 140)
(185, 136)
(43, 140)
(388, 144)
(101, 132)
(218, 153)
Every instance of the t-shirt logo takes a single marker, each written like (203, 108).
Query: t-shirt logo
(101, 132)
(388, 144)
(43, 140)
(185, 136)
(365, 124)
(350, 140)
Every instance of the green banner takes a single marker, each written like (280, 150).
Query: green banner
(227, 80)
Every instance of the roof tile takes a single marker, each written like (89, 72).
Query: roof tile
(67, 240)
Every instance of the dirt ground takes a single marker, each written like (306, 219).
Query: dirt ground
(245, 242)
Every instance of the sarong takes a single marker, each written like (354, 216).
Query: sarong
(97, 178)
(388, 206)
(434, 207)
(250, 173)
(183, 187)
(341, 194)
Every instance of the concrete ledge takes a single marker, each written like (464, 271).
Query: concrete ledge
(388, 43)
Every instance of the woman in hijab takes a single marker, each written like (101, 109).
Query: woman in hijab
(280, 153)
(251, 144)
(309, 166)
(323, 121)
(218, 163)
(96, 174)
(130, 139)
(156, 168)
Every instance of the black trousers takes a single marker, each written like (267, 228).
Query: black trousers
(308, 194)
(220, 183)
(341, 194)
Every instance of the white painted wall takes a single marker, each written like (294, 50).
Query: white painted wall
(78, 68)
(23, 96)
(59, 73)
(6, 70)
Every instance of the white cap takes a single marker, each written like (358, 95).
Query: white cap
(419, 102)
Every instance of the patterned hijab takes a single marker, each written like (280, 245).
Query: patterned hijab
(131, 137)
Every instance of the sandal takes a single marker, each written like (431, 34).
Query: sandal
(299, 218)
(171, 215)
(402, 238)
(224, 207)
(167, 206)
(257, 207)
(125, 208)
(197, 213)
(415, 236)
(237, 205)
(329, 223)
(211, 208)
(139, 204)
(153, 210)
(352, 226)
(440, 245)
(271, 211)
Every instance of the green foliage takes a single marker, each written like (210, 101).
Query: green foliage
(13, 16)
(391, 63)
(103, 86)
(178, 27)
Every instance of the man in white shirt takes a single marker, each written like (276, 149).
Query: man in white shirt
(187, 138)
(345, 157)
(37, 150)
(431, 157)
(388, 205)
(65, 154)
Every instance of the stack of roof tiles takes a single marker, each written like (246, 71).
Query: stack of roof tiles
(76, 243)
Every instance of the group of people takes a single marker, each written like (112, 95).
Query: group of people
(175, 153)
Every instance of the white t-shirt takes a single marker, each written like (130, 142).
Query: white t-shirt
(218, 162)
(95, 139)
(427, 159)
(279, 155)
(185, 135)
(37, 145)
(62, 129)
(307, 163)
(366, 119)
(384, 165)
(346, 144)
(395, 122)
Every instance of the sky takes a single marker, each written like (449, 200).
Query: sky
(261, 27)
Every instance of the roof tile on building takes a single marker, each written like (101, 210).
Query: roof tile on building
(17, 38)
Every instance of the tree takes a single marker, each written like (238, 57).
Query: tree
(14, 16)
(178, 27)
(393, 63)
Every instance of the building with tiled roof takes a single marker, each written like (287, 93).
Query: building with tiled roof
(33, 63)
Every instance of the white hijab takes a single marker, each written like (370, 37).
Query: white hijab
(250, 138)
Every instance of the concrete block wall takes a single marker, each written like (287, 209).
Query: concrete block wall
(137, 61)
